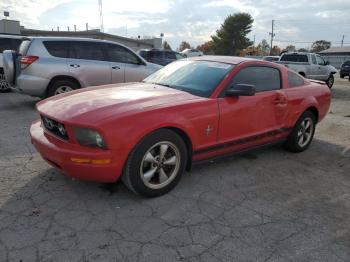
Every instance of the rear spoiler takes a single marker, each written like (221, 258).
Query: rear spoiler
(317, 81)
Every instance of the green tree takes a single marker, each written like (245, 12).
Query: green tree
(290, 48)
(276, 50)
(303, 50)
(166, 45)
(320, 45)
(263, 48)
(232, 36)
(207, 48)
(184, 45)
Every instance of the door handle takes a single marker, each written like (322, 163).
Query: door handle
(74, 65)
(116, 67)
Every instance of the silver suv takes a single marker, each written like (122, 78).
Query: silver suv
(46, 66)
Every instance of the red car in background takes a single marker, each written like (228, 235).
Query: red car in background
(148, 133)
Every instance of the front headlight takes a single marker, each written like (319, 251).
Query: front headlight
(89, 137)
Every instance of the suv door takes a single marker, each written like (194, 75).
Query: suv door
(116, 56)
(88, 63)
(135, 68)
(322, 68)
(315, 72)
(251, 120)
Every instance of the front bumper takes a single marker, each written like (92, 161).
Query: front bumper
(59, 154)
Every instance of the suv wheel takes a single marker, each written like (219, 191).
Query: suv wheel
(60, 87)
(156, 164)
(330, 81)
(303, 132)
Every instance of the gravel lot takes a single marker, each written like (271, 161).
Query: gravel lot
(269, 205)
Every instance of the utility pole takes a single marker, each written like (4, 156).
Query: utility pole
(101, 15)
(272, 34)
(342, 41)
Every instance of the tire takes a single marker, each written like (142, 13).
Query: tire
(294, 143)
(61, 86)
(330, 81)
(143, 172)
(342, 76)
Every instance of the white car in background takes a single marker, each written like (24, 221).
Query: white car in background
(191, 52)
(11, 42)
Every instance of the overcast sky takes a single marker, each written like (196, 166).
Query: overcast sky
(298, 22)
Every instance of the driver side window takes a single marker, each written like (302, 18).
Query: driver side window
(320, 60)
(120, 54)
(263, 78)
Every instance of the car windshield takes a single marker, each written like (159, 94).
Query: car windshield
(196, 77)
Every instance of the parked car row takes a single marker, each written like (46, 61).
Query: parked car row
(159, 56)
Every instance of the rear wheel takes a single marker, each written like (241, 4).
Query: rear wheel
(342, 76)
(61, 86)
(330, 81)
(156, 164)
(303, 132)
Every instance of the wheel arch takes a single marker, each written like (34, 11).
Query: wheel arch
(302, 73)
(179, 131)
(313, 110)
(62, 77)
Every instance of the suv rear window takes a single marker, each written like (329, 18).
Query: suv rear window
(294, 58)
(9, 44)
(57, 48)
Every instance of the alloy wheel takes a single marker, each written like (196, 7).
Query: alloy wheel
(160, 165)
(63, 89)
(305, 132)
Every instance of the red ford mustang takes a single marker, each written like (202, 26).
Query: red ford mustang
(148, 133)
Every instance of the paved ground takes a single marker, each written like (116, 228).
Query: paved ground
(264, 206)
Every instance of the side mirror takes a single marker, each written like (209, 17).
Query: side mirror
(241, 90)
(326, 63)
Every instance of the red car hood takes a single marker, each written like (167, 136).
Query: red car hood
(99, 103)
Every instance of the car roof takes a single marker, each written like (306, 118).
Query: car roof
(234, 60)
(67, 38)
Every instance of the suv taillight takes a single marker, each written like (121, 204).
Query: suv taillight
(28, 60)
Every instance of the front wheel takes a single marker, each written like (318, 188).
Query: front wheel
(302, 134)
(156, 164)
(330, 81)
(60, 87)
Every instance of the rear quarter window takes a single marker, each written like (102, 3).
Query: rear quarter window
(294, 80)
(57, 48)
(23, 48)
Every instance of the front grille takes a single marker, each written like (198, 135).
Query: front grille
(54, 127)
